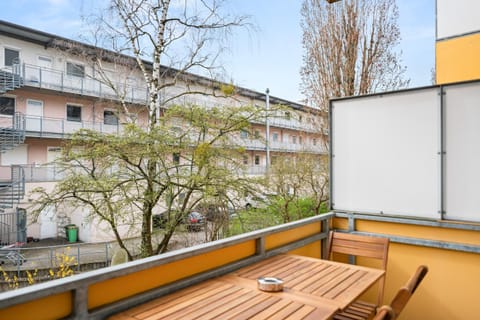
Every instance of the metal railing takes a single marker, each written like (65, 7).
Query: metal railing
(12, 186)
(50, 257)
(46, 126)
(89, 295)
(10, 77)
(46, 78)
(12, 131)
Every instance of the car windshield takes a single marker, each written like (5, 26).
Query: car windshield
(195, 215)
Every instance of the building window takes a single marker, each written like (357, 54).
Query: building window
(244, 134)
(257, 160)
(275, 137)
(110, 118)
(314, 142)
(74, 113)
(245, 159)
(294, 139)
(11, 57)
(7, 106)
(300, 118)
(257, 134)
(273, 160)
(287, 115)
(176, 158)
(299, 140)
(75, 69)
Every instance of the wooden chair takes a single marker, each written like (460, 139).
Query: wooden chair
(391, 312)
(360, 246)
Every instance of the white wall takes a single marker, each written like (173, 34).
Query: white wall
(385, 154)
(456, 17)
(387, 159)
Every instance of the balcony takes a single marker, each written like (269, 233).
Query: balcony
(450, 250)
(51, 79)
(36, 126)
(57, 80)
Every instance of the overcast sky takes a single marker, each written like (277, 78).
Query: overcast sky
(269, 57)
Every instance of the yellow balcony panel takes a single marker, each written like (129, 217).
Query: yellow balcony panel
(56, 306)
(457, 59)
(281, 238)
(129, 285)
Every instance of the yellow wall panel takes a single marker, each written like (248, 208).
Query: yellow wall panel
(142, 281)
(52, 307)
(282, 238)
(423, 232)
(458, 59)
(313, 250)
(450, 289)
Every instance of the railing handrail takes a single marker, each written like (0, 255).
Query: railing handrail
(80, 283)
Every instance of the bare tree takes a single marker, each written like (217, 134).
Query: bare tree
(298, 177)
(124, 179)
(350, 49)
(168, 40)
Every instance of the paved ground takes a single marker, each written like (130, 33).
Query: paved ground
(47, 243)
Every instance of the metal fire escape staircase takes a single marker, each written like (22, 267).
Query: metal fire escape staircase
(10, 78)
(12, 185)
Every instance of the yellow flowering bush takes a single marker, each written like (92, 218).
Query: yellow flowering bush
(63, 267)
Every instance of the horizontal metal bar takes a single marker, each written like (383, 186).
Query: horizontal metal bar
(412, 221)
(425, 243)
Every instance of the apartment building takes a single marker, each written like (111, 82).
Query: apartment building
(48, 91)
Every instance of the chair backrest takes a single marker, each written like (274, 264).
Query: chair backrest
(400, 300)
(361, 246)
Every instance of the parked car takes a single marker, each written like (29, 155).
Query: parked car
(195, 221)
(259, 200)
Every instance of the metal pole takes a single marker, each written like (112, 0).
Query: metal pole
(267, 124)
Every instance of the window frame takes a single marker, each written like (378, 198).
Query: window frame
(244, 134)
(113, 115)
(256, 160)
(14, 106)
(5, 56)
(76, 67)
(70, 118)
(275, 136)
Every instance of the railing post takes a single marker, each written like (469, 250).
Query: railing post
(80, 303)
(260, 246)
(106, 254)
(78, 256)
(324, 242)
(51, 258)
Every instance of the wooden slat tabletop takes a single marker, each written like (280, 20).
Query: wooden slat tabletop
(313, 289)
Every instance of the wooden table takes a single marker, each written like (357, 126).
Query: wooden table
(313, 289)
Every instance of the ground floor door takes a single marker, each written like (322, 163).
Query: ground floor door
(48, 223)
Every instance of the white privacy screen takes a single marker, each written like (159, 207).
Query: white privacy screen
(385, 154)
(462, 158)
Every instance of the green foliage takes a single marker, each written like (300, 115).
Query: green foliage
(122, 179)
(227, 89)
(272, 214)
